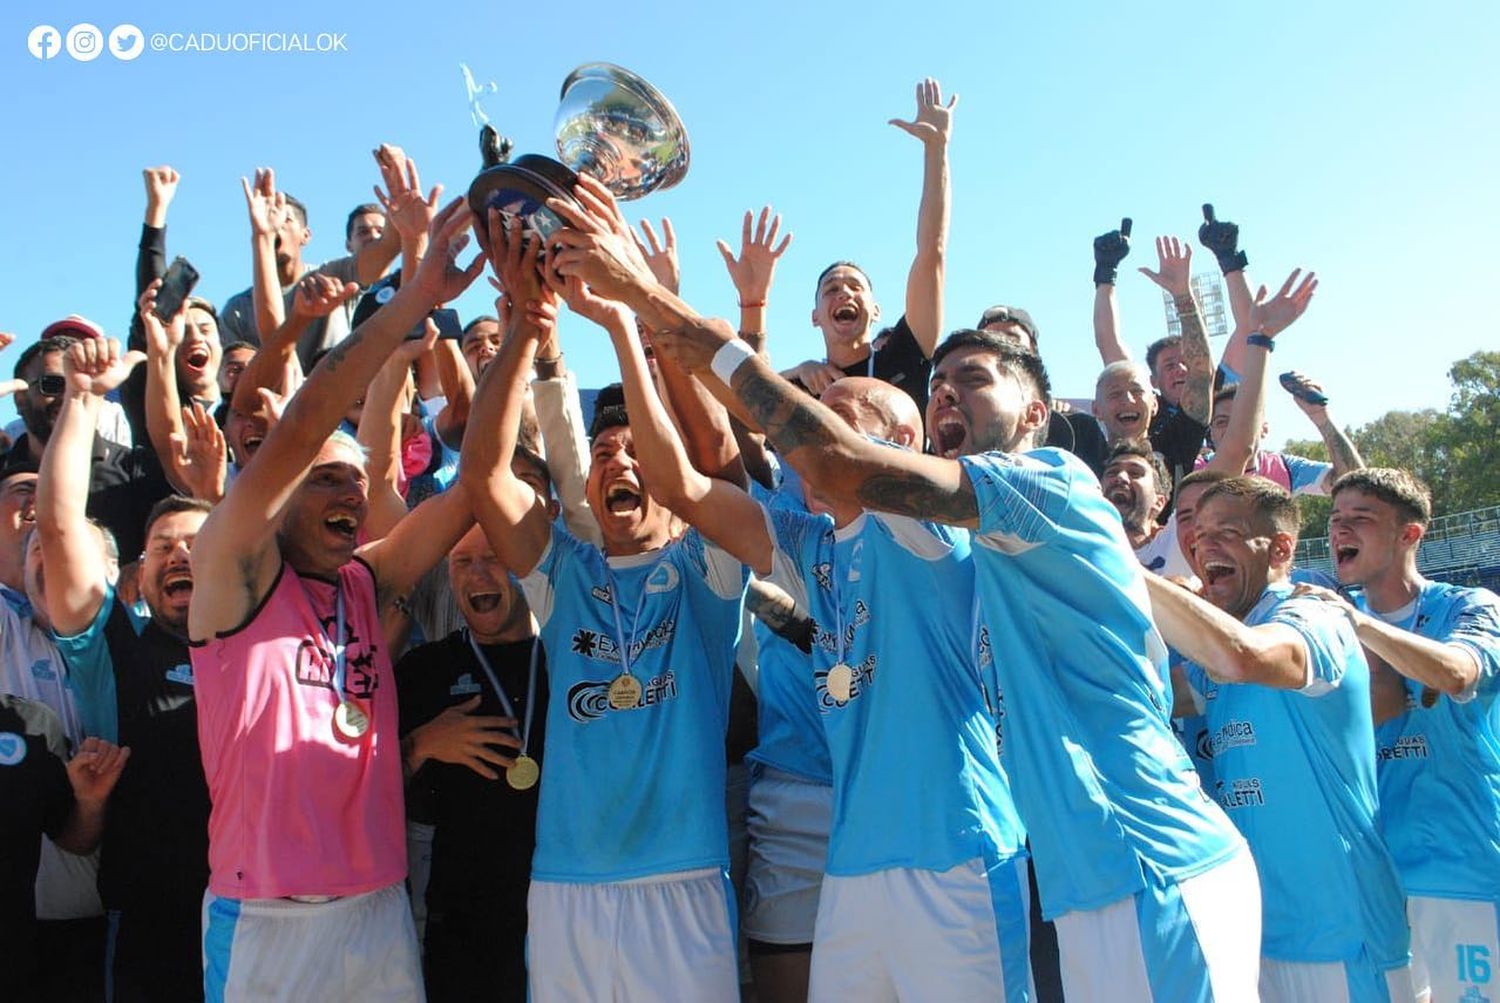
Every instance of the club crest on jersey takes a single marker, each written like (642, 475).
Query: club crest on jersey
(182, 674)
(41, 669)
(589, 700)
(863, 678)
(12, 748)
(464, 686)
(823, 575)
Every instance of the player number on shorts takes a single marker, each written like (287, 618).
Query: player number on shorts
(1473, 963)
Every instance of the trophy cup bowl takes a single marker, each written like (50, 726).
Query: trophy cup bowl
(610, 124)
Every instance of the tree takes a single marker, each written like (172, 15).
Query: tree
(1456, 453)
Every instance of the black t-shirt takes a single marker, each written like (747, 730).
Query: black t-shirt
(155, 852)
(1177, 436)
(35, 798)
(1080, 435)
(899, 361)
(124, 484)
(485, 829)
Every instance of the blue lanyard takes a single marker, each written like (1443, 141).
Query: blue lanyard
(627, 644)
(510, 710)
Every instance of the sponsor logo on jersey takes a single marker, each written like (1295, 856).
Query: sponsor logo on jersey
(864, 677)
(1473, 995)
(12, 748)
(589, 700)
(1406, 747)
(464, 686)
(603, 648)
(1240, 793)
(1231, 735)
(42, 669)
(181, 674)
(601, 593)
(823, 575)
(315, 664)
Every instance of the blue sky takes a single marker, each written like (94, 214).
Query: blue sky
(1359, 140)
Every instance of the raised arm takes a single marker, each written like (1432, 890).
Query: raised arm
(1223, 239)
(408, 214)
(924, 283)
(1109, 250)
(754, 271)
(1268, 318)
(379, 431)
(163, 407)
(151, 261)
(72, 553)
(700, 420)
(1271, 654)
(722, 511)
(1175, 275)
(514, 517)
(316, 296)
(266, 207)
(1313, 402)
(236, 546)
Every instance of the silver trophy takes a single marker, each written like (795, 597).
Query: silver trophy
(610, 124)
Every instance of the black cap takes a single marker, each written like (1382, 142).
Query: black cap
(16, 461)
(1009, 315)
(375, 297)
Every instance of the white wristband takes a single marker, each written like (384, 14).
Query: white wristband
(730, 356)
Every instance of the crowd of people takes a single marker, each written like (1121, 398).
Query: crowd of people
(342, 660)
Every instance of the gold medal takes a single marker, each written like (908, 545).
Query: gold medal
(523, 774)
(349, 721)
(624, 692)
(840, 682)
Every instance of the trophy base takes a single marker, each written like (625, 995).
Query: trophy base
(521, 189)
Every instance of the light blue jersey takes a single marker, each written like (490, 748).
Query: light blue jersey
(640, 791)
(1296, 772)
(1439, 763)
(789, 727)
(917, 780)
(1105, 789)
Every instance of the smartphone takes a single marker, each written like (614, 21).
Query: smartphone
(447, 324)
(176, 286)
(52, 385)
(1290, 383)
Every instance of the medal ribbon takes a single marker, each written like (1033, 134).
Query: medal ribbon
(839, 642)
(635, 621)
(510, 711)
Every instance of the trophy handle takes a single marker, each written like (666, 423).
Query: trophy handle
(493, 148)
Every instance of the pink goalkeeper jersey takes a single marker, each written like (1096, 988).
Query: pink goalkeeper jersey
(299, 809)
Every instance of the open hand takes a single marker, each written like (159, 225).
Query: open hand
(1272, 316)
(318, 295)
(267, 205)
(661, 255)
(407, 210)
(202, 453)
(161, 339)
(753, 271)
(934, 119)
(439, 279)
(461, 737)
(1175, 264)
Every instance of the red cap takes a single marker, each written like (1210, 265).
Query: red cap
(74, 325)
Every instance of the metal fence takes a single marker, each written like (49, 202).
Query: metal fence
(1463, 548)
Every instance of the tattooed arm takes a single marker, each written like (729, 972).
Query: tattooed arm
(1197, 392)
(841, 464)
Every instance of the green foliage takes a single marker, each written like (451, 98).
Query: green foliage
(1457, 453)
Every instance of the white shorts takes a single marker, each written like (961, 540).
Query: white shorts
(911, 935)
(1334, 982)
(361, 947)
(790, 818)
(666, 937)
(1196, 939)
(1455, 947)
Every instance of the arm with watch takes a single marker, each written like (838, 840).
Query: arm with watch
(1267, 318)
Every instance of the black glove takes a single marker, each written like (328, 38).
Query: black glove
(1109, 250)
(1223, 239)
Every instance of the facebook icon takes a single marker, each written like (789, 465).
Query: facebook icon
(44, 42)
